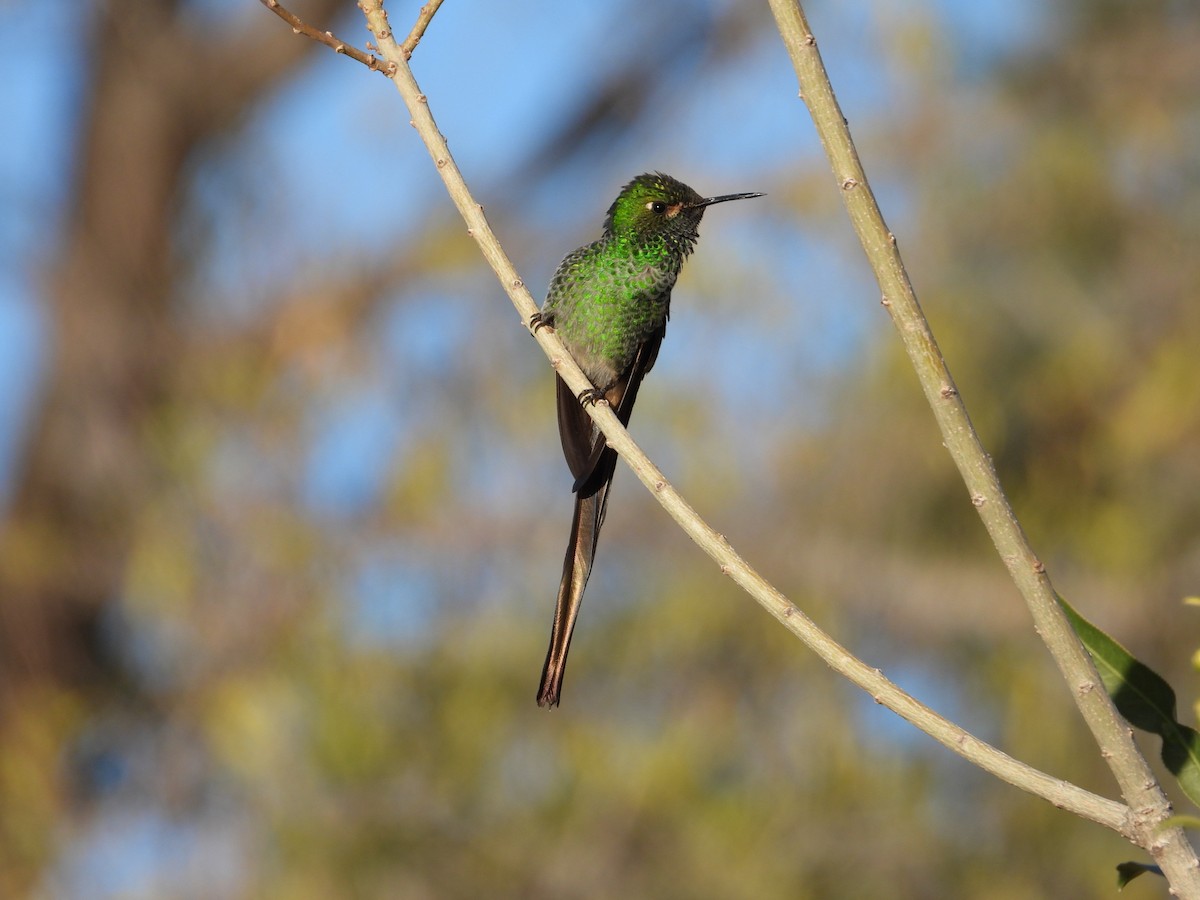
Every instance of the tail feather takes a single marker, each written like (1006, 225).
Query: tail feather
(577, 566)
(593, 463)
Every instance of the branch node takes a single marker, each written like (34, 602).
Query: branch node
(849, 184)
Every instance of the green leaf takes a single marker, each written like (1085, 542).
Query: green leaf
(1127, 871)
(1144, 699)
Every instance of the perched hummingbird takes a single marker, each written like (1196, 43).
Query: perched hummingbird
(609, 302)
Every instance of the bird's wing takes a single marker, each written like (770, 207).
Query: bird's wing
(575, 430)
(587, 453)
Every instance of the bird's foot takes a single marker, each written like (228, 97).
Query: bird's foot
(540, 320)
(591, 397)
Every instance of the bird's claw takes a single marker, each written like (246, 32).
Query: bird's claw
(540, 320)
(591, 397)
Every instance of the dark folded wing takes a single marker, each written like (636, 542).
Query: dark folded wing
(591, 461)
(575, 430)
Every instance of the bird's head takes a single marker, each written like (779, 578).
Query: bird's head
(655, 205)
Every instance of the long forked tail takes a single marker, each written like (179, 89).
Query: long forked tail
(593, 464)
(577, 565)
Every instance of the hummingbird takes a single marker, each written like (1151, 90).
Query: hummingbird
(609, 302)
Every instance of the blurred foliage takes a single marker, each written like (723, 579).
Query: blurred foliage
(326, 688)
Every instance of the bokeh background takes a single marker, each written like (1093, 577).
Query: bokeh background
(284, 507)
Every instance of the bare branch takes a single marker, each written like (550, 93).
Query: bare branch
(1112, 734)
(428, 11)
(328, 38)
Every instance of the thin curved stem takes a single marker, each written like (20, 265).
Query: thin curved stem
(328, 38)
(1062, 794)
(1112, 734)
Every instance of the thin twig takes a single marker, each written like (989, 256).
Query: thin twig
(1112, 734)
(1062, 794)
(328, 38)
(424, 17)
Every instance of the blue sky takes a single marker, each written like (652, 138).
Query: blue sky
(526, 62)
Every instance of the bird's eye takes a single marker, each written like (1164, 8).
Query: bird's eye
(657, 206)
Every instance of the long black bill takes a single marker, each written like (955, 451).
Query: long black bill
(711, 200)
